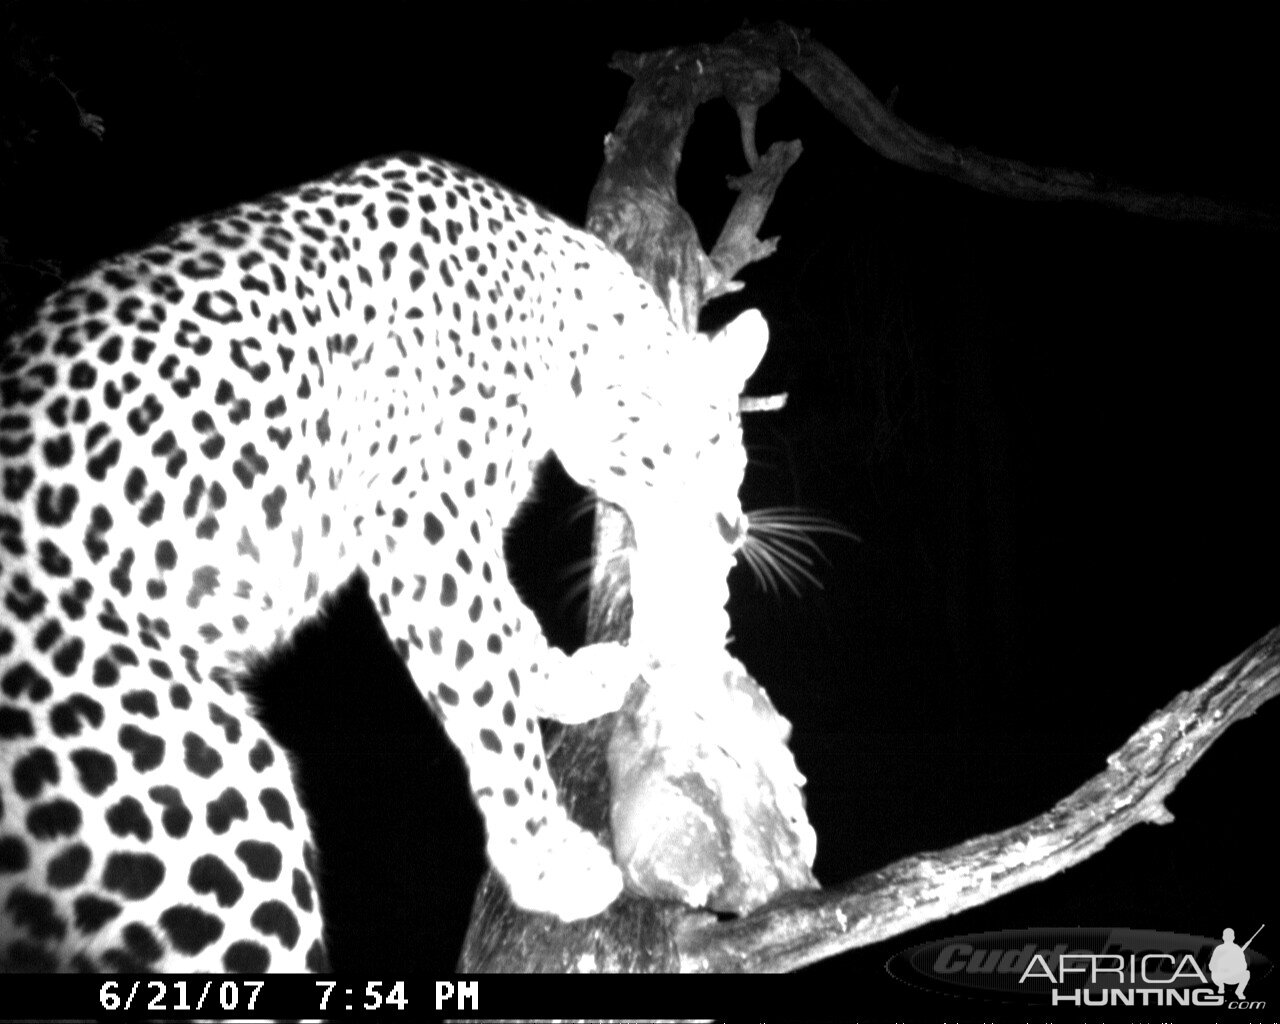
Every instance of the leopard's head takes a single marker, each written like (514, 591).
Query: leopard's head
(669, 452)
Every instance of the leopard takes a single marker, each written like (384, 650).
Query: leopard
(204, 438)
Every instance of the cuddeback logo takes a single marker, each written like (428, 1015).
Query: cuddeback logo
(1090, 967)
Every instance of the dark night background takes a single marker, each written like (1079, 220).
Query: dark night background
(1051, 426)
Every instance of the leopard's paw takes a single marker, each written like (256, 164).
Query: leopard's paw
(563, 870)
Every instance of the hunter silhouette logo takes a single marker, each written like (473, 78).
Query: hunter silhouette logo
(1227, 965)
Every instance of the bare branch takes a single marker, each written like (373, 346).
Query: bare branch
(838, 89)
(802, 928)
(739, 244)
(634, 207)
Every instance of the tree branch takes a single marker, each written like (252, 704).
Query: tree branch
(634, 208)
(802, 928)
(842, 93)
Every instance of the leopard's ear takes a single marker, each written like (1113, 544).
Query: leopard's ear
(738, 347)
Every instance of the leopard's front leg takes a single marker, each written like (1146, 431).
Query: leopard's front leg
(479, 658)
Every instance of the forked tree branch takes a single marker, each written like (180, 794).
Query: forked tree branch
(634, 208)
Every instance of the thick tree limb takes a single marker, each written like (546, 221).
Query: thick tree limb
(803, 928)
